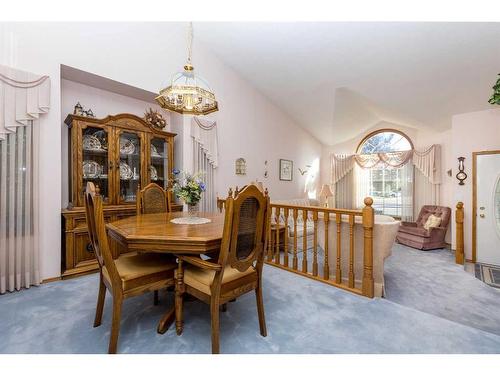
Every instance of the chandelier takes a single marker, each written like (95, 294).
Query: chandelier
(188, 93)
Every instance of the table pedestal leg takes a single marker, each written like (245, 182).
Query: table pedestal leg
(166, 321)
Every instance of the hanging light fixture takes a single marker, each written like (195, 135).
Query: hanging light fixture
(188, 93)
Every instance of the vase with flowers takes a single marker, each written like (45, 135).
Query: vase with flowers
(188, 188)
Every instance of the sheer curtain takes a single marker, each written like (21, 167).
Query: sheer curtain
(345, 193)
(406, 196)
(363, 179)
(205, 158)
(19, 257)
(202, 164)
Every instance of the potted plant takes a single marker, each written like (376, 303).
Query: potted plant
(495, 97)
(188, 188)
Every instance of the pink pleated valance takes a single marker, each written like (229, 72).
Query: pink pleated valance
(427, 161)
(23, 97)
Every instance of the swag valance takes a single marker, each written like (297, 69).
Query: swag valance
(204, 132)
(427, 161)
(23, 97)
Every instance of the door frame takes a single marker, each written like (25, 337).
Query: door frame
(474, 198)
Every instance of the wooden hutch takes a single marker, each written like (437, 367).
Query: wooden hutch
(120, 154)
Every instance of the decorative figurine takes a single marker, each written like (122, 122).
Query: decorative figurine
(78, 110)
(461, 175)
(155, 119)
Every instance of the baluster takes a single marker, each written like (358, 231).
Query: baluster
(285, 245)
(295, 260)
(270, 240)
(304, 241)
(326, 266)
(315, 244)
(368, 215)
(338, 270)
(277, 237)
(351, 251)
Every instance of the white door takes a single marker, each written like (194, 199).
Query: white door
(488, 209)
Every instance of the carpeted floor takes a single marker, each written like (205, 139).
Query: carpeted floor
(303, 316)
(431, 282)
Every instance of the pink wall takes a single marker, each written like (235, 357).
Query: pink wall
(472, 132)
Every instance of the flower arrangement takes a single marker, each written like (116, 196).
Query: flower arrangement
(188, 187)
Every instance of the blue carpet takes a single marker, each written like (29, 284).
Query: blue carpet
(303, 316)
(431, 282)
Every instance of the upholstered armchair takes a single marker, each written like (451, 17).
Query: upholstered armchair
(414, 234)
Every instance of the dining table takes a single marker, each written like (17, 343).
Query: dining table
(157, 233)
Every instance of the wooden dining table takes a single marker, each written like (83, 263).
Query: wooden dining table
(156, 233)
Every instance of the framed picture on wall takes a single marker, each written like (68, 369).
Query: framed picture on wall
(286, 170)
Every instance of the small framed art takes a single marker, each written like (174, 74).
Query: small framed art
(286, 170)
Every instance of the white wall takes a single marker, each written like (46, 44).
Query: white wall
(145, 56)
(472, 132)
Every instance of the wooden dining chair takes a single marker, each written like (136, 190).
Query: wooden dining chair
(238, 269)
(153, 199)
(124, 277)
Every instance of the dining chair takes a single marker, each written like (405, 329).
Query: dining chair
(153, 199)
(124, 277)
(238, 269)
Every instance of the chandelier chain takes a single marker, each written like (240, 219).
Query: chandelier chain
(190, 42)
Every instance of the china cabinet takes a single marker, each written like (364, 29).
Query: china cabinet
(119, 154)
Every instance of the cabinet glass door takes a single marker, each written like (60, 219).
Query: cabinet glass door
(129, 166)
(158, 168)
(95, 160)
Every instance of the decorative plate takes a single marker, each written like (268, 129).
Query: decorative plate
(91, 169)
(154, 151)
(102, 136)
(125, 171)
(126, 146)
(91, 143)
(153, 172)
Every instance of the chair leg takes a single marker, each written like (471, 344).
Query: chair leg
(179, 300)
(100, 303)
(260, 310)
(156, 300)
(224, 307)
(115, 326)
(214, 315)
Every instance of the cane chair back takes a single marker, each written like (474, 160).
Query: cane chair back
(153, 200)
(247, 217)
(98, 236)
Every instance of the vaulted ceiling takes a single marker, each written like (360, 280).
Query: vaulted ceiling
(339, 79)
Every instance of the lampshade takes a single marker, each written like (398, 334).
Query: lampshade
(326, 191)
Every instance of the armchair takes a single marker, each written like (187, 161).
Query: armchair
(414, 234)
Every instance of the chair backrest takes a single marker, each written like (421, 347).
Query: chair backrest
(153, 200)
(245, 228)
(97, 232)
(440, 211)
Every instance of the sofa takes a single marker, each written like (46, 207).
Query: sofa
(414, 234)
(300, 221)
(384, 233)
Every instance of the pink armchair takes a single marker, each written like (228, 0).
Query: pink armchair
(415, 235)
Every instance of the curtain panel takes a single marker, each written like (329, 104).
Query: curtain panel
(205, 158)
(23, 97)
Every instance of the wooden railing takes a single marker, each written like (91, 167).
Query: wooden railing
(283, 243)
(459, 229)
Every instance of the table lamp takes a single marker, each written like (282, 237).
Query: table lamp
(326, 192)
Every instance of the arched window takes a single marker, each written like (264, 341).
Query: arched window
(385, 140)
(390, 188)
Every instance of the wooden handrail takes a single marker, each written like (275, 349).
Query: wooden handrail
(459, 227)
(288, 220)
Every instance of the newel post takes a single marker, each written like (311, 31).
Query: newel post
(368, 219)
(459, 221)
